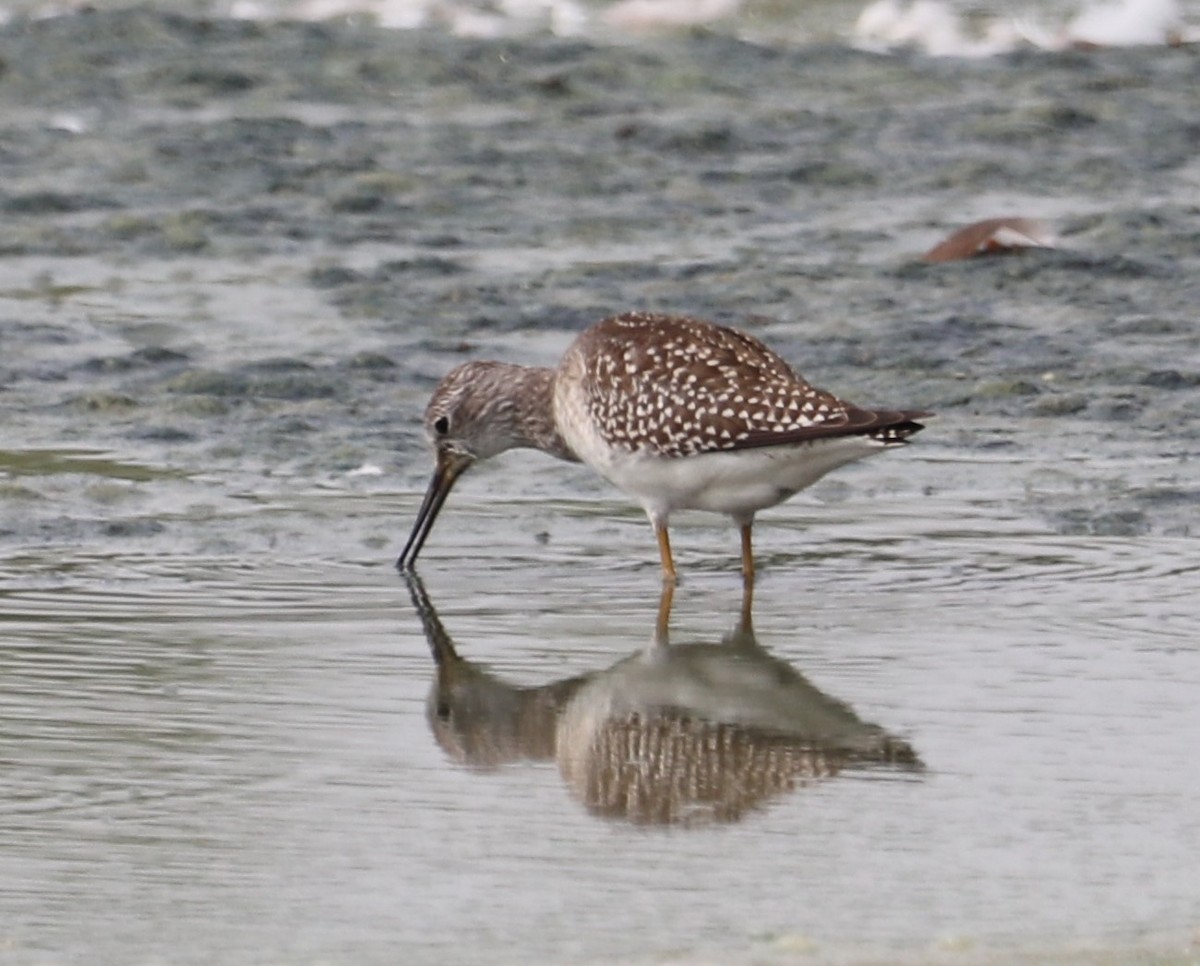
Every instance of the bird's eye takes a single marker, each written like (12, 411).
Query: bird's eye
(441, 425)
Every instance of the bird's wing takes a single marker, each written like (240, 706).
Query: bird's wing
(677, 387)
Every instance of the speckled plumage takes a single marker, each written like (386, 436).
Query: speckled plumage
(673, 386)
(678, 413)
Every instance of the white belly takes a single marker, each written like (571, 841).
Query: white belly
(738, 483)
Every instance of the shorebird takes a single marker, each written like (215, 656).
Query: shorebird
(679, 413)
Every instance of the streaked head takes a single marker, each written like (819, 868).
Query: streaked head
(470, 417)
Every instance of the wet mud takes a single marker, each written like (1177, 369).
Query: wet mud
(247, 248)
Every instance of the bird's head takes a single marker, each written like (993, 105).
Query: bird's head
(470, 417)
(471, 413)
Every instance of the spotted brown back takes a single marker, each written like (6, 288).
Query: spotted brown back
(677, 386)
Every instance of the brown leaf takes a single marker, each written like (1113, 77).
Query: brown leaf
(991, 236)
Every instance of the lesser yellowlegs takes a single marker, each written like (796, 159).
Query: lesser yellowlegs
(680, 414)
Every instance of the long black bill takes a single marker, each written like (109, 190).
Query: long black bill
(449, 468)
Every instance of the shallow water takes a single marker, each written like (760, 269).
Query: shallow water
(230, 758)
(238, 256)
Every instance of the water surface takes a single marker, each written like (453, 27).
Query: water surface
(215, 759)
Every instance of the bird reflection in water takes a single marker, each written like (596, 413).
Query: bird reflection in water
(672, 734)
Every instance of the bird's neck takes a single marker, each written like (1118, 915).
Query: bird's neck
(533, 423)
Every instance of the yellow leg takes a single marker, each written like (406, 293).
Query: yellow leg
(664, 551)
(747, 554)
